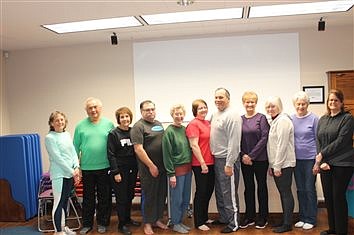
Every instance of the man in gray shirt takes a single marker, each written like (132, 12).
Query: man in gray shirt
(146, 136)
(225, 138)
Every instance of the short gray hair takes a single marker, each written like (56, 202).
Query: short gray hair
(98, 101)
(227, 93)
(301, 95)
(177, 106)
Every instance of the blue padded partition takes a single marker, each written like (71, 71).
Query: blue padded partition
(21, 165)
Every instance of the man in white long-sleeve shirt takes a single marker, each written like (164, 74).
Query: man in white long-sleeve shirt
(225, 138)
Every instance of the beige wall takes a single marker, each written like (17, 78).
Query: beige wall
(324, 51)
(40, 81)
(4, 118)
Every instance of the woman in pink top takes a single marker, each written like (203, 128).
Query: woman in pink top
(198, 133)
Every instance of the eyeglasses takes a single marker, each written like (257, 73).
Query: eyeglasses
(149, 110)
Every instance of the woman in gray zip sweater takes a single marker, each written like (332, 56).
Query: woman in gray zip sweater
(335, 160)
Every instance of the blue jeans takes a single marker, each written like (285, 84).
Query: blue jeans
(180, 197)
(306, 191)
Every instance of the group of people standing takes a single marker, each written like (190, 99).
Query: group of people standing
(216, 151)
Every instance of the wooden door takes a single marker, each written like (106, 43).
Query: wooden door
(344, 81)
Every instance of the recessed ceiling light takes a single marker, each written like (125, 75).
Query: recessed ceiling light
(185, 2)
(192, 16)
(300, 8)
(88, 25)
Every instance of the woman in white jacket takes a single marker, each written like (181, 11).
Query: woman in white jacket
(281, 157)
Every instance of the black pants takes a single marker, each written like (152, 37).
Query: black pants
(283, 184)
(96, 181)
(124, 192)
(204, 189)
(334, 185)
(258, 169)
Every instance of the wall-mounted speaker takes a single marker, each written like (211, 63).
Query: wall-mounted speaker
(321, 25)
(114, 39)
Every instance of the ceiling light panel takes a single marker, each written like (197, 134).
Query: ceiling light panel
(300, 8)
(193, 16)
(88, 25)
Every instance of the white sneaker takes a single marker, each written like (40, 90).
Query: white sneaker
(179, 228)
(185, 226)
(299, 224)
(203, 227)
(307, 226)
(68, 231)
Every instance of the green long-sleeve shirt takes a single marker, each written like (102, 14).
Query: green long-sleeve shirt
(90, 141)
(175, 148)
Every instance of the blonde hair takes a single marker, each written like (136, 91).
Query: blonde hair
(276, 101)
(249, 95)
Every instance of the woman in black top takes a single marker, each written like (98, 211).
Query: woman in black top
(124, 169)
(335, 160)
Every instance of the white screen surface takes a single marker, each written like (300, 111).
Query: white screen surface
(180, 71)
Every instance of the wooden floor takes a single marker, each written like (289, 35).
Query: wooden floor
(215, 229)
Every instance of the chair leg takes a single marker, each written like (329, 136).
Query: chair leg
(75, 216)
(42, 213)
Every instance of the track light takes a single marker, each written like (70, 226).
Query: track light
(114, 39)
(321, 25)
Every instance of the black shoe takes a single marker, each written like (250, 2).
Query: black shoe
(282, 229)
(134, 223)
(217, 222)
(326, 232)
(227, 229)
(124, 230)
(261, 223)
(277, 224)
(246, 222)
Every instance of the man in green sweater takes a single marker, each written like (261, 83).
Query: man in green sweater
(90, 141)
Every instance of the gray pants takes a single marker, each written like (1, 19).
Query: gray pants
(226, 188)
(283, 184)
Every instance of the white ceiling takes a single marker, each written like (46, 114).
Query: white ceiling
(21, 20)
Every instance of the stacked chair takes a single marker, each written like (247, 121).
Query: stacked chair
(45, 205)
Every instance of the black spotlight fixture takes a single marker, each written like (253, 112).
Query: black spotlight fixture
(321, 25)
(114, 39)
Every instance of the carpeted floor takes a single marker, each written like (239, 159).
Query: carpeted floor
(19, 230)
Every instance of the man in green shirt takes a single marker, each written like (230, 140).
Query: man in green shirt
(90, 141)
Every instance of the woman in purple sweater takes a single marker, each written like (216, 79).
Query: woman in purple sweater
(305, 127)
(254, 158)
